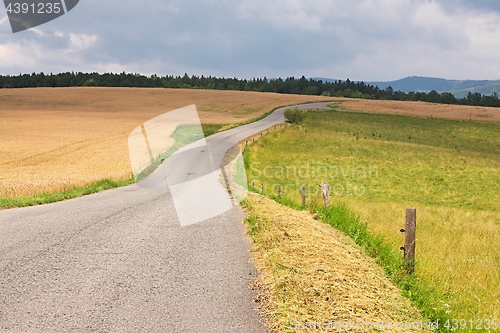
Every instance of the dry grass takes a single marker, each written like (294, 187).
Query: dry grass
(423, 109)
(311, 272)
(56, 139)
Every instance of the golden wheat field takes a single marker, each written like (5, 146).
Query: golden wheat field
(54, 139)
(424, 109)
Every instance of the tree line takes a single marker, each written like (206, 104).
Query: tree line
(290, 85)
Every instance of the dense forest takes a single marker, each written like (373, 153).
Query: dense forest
(291, 85)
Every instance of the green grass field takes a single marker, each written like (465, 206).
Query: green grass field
(378, 165)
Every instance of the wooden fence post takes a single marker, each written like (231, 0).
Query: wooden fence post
(325, 188)
(410, 235)
(303, 195)
(279, 191)
(262, 188)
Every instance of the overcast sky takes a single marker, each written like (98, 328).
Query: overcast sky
(371, 40)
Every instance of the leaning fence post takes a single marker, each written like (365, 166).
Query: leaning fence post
(303, 195)
(279, 191)
(410, 238)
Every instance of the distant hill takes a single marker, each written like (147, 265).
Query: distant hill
(459, 88)
(488, 88)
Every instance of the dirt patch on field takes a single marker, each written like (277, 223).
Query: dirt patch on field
(423, 109)
(312, 273)
(54, 139)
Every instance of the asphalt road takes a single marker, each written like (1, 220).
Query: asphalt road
(120, 261)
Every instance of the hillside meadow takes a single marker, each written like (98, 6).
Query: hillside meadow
(380, 164)
(55, 139)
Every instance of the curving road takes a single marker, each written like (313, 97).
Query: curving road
(119, 261)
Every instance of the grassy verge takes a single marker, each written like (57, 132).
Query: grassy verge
(426, 298)
(377, 165)
(46, 198)
(210, 129)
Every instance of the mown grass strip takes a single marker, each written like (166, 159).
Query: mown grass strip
(314, 278)
(423, 296)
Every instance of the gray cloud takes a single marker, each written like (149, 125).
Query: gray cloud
(366, 40)
(474, 5)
